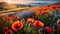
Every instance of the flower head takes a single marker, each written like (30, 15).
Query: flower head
(17, 25)
(5, 28)
(30, 20)
(46, 8)
(55, 24)
(44, 29)
(58, 25)
(47, 29)
(45, 12)
(58, 6)
(17, 17)
(59, 13)
(8, 32)
(50, 19)
(5, 16)
(53, 7)
(50, 30)
(10, 18)
(58, 16)
(38, 24)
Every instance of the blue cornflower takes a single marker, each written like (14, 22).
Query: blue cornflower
(44, 29)
(59, 13)
(58, 16)
(55, 24)
(50, 18)
(50, 15)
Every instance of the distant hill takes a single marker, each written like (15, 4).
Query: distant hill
(54, 4)
(43, 4)
(2, 3)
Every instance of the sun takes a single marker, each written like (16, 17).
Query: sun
(9, 1)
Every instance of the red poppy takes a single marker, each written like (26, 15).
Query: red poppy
(46, 8)
(42, 11)
(8, 32)
(53, 7)
(17, 17)
(48, 5)
(30, 20)
(50, 30)
(38, 24)
(40, 8)
(5, 28)
(58, 25)
(17, 25)
(5, 16)
(45, 12)
(58, 7)
(10, 18)
(35, 9)
(2, 20)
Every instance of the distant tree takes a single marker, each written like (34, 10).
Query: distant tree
(5, 9)
(1, 8)
(17, 6)
(29, 5)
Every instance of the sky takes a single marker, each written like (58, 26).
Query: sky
(29, 1)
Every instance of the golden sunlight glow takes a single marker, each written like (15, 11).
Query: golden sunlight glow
(9, 1)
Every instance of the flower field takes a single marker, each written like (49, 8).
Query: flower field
(44, 20)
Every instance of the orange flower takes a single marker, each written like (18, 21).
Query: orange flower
(30, 20)
(38, 24)
(8, 32)
(5, 28)
(17, 25)
(10, 18)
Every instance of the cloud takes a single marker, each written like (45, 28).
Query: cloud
(32, 1)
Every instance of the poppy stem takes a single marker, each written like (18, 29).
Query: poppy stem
(26, 23)
(17, 32)
(57, 30)
(39, 31)
(53, 28)
(57, 27)
(58, 21)
(29, 24)
(23, 20)
(43, 32)
(11, 21)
